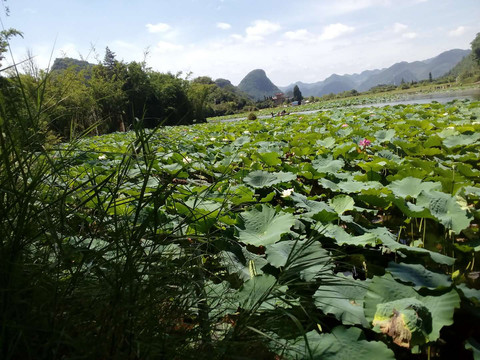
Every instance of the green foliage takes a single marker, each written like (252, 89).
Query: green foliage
(476, 48)
(297, 94)
(263, 227)
(5, 35)
(252, 116)
(343, 343)
(265, 239)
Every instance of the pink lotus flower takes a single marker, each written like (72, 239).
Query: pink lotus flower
(344, 125)
(364, 143)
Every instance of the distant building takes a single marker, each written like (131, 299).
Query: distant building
(294, 103)
(279, 98)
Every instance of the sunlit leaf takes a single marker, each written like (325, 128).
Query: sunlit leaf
(264, 227)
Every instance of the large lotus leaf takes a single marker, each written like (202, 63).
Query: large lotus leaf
(412, 187)
(384, 299)
(344, 299)
(446, 209)
(221, 299)
(448, 133)
(375, 165)
(256, 291)
(278, 254)
(327, 184)
(270, 158)
(384, 135)
(352, 186)
(264, 227)
(342, 344)
(327, 164)
(390, 241)
(408, 321)
(469, 293)
(241, 140)
(418, 276)
(241, 194)
(471, 190)
(386, 154)
(306, 258)
(342, 203)
(319, 210)
(328, 142)
(378, 198)
(245, 265)
(412, 210)
(461, 140)
(339, 234)
(261, 179)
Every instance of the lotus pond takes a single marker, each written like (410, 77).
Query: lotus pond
(350, 233)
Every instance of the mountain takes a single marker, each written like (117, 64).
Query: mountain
(394, 75)
(223, 83)
(65, 63)
(257, 85)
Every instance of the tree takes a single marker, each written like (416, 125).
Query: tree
(107, 89)
(297, 95)
(109, 60)
(476, 48)
(430, 78)
(198, 93)
(5, 35)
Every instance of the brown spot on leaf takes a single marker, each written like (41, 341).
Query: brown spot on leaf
(396, 329)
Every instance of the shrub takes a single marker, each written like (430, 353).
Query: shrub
(252, 116)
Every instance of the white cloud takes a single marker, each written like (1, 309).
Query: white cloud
(257, 32)
(409, 35)
(399, 28)
(158, 28)
(458, 31)
(335, 30)
(301, 34)
(223, 26)
(262, 28)
(347, 6)
(165, 46)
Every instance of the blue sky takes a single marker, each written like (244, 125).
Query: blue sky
(303, 40)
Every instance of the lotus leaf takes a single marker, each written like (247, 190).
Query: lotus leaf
(264, 226)
(261, 179)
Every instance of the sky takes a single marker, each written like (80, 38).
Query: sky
(302, 40)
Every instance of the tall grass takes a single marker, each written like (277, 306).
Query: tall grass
(96, 263)
(85, 271)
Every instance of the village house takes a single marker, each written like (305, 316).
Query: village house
(279, 98)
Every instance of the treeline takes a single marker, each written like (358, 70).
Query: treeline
(77, 97)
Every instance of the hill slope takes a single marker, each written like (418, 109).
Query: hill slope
(257, 85)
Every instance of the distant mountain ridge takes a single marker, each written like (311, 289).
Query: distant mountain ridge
(393, 75)
(257, 85)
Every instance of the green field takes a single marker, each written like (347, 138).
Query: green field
(351, 233)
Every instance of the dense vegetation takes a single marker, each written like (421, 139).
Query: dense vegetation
(468, 70)
(346, 233)
(321, 236)
(78, 97)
